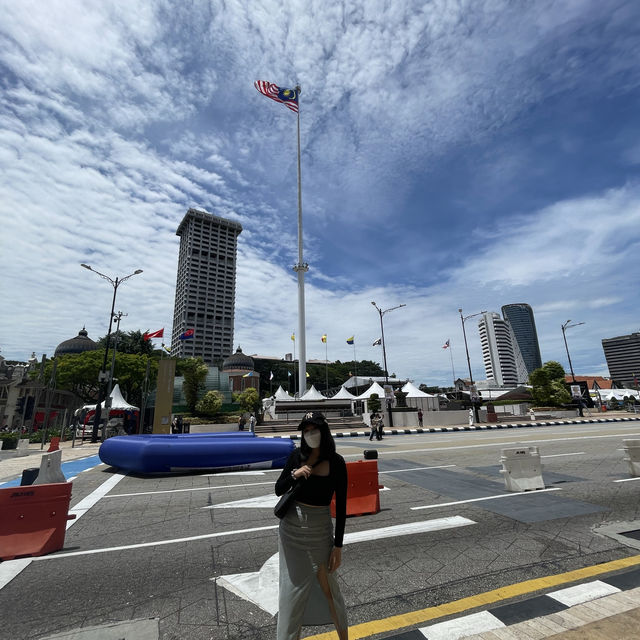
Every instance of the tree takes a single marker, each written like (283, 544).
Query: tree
(548, 385)
(373, 404)
(132, 342)
(554, 370)
(249, 400)
(194, 372)
(210, 403)
(432, 390)
(78, 373)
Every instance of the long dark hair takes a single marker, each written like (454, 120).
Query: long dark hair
(327, 443)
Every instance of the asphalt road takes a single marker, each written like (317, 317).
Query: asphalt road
(197, 551)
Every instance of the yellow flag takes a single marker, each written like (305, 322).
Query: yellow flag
(293, 337)
(324, 338)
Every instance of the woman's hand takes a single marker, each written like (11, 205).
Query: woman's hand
(335, 559)
(304, 471)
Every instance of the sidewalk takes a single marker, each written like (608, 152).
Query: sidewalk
(12, 467)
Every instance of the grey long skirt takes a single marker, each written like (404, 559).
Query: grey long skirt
(305, 543)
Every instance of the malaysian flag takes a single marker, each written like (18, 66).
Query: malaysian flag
(288, 97)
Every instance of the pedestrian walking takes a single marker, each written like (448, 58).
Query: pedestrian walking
(252, 423)
(419, 417)
(242, 422)
(309, 550)
(373, 420)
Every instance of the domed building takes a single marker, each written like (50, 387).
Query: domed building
(81, 343)
(239, 368)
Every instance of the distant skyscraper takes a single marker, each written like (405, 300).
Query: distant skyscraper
(502, 358)
(205, 286)
(623, 358)
(520, 317)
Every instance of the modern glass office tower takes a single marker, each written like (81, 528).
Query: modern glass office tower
(205, 286)
(623, 358)
(520, 317)
(503, 361)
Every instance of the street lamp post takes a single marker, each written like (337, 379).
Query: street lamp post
(384, 352)
(115, 284)
(564, 327)
(463, 319)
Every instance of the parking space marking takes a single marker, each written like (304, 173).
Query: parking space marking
(261, 587)
(501, 495)
(442, 466)
(95, 496)
(560, 455)
(157, 543)
(627, 479)
(149, 493)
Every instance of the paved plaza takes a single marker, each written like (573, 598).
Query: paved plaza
(194, 557)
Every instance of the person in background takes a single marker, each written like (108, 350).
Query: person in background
(419, 417)
(252, 423)
(309, 551)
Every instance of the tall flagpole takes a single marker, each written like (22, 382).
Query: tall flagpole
(453, 373)
(300, 269)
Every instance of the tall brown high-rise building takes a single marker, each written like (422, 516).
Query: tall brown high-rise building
(205, 286)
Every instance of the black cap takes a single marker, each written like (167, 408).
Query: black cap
(314, 418)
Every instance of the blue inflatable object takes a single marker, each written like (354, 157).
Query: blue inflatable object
(163, 453)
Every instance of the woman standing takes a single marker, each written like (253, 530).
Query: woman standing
(309, 551)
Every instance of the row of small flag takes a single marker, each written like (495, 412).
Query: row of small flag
(187, 335)
(351, 340)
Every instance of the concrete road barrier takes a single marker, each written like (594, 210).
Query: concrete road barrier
(50, 468)
(23, 447)
(522, 469)
(632, 449)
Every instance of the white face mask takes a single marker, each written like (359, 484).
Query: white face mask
(312, 438)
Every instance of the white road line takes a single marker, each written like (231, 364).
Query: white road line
(157, 543)
(261, 587)
(583, 593)
(560, 455)
(436, 449)
(627, 479)
(502, 495)
(150, 493)
(9, 569)
(442, 466)
(86, 503)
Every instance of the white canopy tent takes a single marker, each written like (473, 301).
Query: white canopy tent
(343, 394)
(374, 388)
(118, 403)
(420, 399)
(313, 394)
(281, 395)
(618, 394)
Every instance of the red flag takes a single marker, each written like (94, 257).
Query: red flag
(154, 334)
(445, 345)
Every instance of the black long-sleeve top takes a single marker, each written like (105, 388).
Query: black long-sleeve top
(318, 490)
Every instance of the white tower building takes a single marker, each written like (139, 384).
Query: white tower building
(503, 361)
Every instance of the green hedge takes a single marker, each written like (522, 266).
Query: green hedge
(9, 440)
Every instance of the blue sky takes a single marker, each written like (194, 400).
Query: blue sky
(455, 154)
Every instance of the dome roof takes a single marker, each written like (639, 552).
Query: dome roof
(81, 343)
(238, 361)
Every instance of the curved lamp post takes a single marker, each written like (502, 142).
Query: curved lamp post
(564, 327)
(115, 284)
(463, 319)
(384, 351)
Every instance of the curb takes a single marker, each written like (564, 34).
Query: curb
(475, 427)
